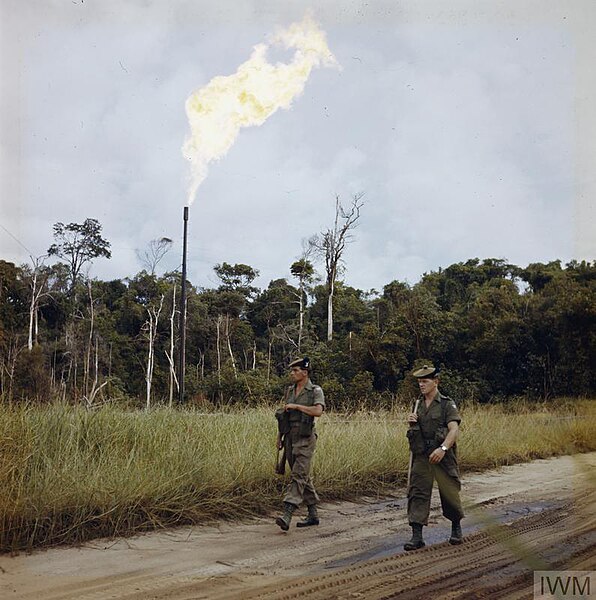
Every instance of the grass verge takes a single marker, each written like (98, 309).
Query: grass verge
(68, 474)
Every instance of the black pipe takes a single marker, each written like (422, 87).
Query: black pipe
(182, 323)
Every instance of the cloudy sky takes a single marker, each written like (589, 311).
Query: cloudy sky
(469, 125)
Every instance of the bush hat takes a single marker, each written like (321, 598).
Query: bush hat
(426, 372)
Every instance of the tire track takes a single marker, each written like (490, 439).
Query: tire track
(256, 561)
(483, 567)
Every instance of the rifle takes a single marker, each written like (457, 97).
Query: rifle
(411, 453)
(280, 464)
(283, 427)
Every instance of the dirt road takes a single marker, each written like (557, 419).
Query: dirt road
(542, 515)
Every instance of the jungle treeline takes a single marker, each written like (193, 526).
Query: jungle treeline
(496, 330)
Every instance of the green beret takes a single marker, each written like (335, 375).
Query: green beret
(426, 372)
(303, 363)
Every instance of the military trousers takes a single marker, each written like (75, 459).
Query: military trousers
(299, 453)
(422, 477)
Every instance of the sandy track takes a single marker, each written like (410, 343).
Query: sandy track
(546, 506)
(485, 567)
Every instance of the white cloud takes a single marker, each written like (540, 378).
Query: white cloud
(460, 130)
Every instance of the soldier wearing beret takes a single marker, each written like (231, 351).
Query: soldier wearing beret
(303, 402)
(433, 430)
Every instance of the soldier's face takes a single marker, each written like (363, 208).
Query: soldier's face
(297, 374)
(428, 386)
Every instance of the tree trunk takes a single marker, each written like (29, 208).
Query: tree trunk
(32, 308)
(301, 322)
(330, 311)
(269, 359)
(171, 357)
(8, 367)
(89, 342)
(148, 372)
(153, 321)
(218, 338)
(331, 245)
(230, 346)
(202, 363)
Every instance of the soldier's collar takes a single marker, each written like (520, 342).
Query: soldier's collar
(437, 397)
(307, 386)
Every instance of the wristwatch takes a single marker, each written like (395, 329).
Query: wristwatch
(444, 448)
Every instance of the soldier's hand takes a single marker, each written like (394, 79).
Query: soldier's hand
(412, 418)
(436, 456)
(291, 406)
(279, 443)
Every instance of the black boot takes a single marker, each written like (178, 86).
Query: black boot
(311, 519)
(456, 534)
(416, 541)
(284, 520)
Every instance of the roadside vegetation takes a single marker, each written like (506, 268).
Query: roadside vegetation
(68, 474)
(496, 330)
(80, 356)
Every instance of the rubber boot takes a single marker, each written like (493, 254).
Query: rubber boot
(311, 519)
(416, 541)
(456, 534)
(284, 520)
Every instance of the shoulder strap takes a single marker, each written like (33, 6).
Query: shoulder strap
(287, 393)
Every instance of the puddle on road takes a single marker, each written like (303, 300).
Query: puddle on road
(392, 545)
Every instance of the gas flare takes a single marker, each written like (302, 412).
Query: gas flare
(250, 96)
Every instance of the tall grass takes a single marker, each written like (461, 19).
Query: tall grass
(68, 474)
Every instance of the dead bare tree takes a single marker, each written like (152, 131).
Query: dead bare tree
(303, 270)
(170, 355)
(152, 256)
(229, 344)
(218, 347)
(330, 246)
(11, 348)
(37, 283)
(95, 389)
(90, 339)
(151, 328)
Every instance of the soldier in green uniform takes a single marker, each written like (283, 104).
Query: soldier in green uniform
(433, 430)
(304, 402)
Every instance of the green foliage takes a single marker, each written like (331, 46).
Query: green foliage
(361, 386)
(32, 375)
(237, 278)
(77, 244)
(497, 330)
(13, 302)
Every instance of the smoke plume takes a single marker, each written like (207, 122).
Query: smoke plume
(250, 96)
